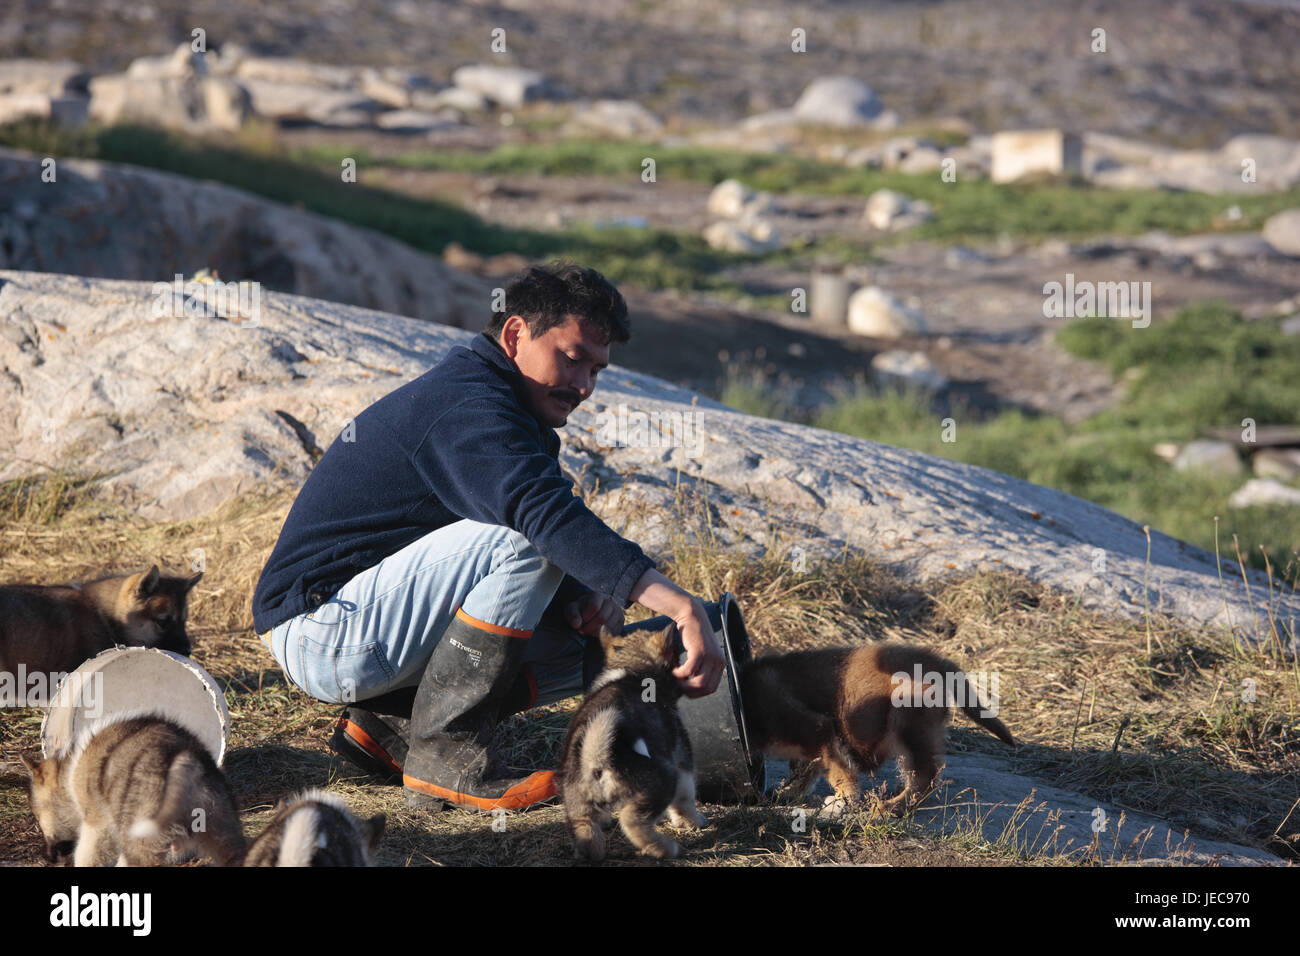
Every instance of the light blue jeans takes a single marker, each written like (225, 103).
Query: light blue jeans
(378, 632)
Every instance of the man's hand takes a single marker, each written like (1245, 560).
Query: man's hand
(701, 672)
(589, 612)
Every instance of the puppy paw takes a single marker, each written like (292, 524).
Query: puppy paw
(664, 849)
(589, 844)
(693, 820)
(834, 809)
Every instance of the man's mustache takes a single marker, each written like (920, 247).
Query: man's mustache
(572, 397)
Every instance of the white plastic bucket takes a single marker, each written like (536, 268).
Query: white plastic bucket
(137, 679)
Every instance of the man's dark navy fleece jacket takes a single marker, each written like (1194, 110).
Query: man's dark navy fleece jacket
(458, 442)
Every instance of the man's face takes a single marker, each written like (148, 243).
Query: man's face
(559, 366)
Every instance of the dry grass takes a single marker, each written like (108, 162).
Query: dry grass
(1167, 734)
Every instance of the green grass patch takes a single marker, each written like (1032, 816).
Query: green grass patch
(1203, 368)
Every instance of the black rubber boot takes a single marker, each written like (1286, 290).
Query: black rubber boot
(457, 706)
(375, 743)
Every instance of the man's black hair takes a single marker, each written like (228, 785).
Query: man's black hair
(544, 295)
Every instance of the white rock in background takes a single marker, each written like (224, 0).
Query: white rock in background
(1264, 491)
(316, 104)
(620, 118)
(728, 198)
(1024, 153)
(391, 86)
(891, 211)
(180, 63)
(1212, 457)
(50, 78)
(908, 368)
(838, 101)
(1282, 232)
(68, 111)
(508, 86)
(192, 104)
(747, 235)
(414, 121)
(923, 159)
(1280, 463)
(274, 69)
(453, 97)
(874, 312)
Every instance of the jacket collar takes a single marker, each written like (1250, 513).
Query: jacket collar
(487, 348)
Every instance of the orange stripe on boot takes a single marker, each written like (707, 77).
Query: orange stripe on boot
(537, 787)
(368, 743)
(491, 628)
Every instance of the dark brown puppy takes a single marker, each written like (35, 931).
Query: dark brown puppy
(627, 752)
(846, 710)
(52, 630)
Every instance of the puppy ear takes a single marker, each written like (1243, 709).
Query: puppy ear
(33, 765)
(662, 646)
(609, 641)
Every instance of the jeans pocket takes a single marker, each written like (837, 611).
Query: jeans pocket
(343, 674)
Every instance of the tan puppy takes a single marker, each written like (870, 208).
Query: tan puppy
(846, 710)
(53, 630)
(141, 783)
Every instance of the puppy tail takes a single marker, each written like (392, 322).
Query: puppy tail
(302, 837)
(178, 803)
(974, 708)
(598, 743)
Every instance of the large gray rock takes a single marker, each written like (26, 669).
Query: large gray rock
(63, 110)
(186, 411)
(91, 224)
(1261, 492)
(838, 101)
(1282, 232)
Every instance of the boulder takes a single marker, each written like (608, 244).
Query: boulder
(174, 92)
(748, 234)
(1035, 152)
(182, 62)
(68, 111)
(299, 102)
(204, 408)
(923, 159)
(54, 78)
(393, 87)
(297, 72)
(891, 211)
(1282, 232)
(1264, 492)
(622, 119)
(415, 121)
(1282, 464)
(453, 97)
(874, 312)
(838, 101)
(1211, 457)
(508, 86)
(913, 369)
(92, 225)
